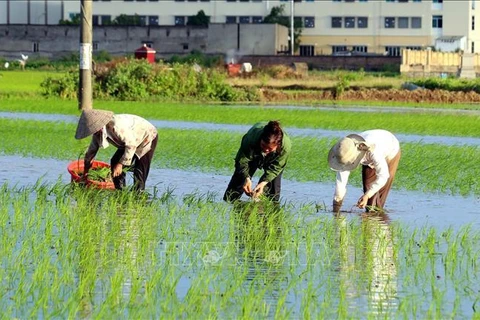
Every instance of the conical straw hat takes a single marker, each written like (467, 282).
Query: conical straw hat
(346, 154)
(91, 121)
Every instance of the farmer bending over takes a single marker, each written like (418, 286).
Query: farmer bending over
(134, 137)
(264, 146)
(379, 153)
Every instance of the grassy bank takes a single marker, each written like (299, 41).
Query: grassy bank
(417, 122)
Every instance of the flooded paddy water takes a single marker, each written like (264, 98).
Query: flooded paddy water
(415, 208)
(417, 261)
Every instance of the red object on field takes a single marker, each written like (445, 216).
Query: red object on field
(233, 69)
(145, 52)
(75, 168)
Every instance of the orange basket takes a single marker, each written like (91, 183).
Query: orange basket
(75, 168)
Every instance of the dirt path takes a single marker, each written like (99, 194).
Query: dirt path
(387, 95)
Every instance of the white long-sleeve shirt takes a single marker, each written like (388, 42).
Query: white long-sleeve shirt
(125, 131)
(384, 147)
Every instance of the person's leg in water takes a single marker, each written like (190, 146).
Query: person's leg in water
(369, 176)
(141, 167)
(235, 186)
(273, 189)
(118, 181)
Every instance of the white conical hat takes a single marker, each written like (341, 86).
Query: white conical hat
(347, 153)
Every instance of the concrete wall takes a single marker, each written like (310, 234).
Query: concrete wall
(429, 63)
(56, 41)
(367, 63)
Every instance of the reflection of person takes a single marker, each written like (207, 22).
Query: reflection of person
(134, 137)
(265, 146)
(379, 153)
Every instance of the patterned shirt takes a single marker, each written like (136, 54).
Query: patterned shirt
(125, 131)
(384, 147)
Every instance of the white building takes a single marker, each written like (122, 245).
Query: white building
(330, 26)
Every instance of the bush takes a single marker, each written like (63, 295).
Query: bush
(65, 87)
(132, 79)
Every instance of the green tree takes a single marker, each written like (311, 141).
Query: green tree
(75, 21)
(200, 19)
(126, 20)
(277, 15)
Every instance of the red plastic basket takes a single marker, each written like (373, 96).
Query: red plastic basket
(76, 167)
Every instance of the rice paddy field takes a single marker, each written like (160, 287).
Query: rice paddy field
(181, 252)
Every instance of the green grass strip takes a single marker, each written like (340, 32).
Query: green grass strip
(448, 169)
(425, 123)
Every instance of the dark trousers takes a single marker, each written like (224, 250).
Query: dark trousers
(235, 186)
(369, 175)
(141, 168)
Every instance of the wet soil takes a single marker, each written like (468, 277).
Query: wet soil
(366, 94)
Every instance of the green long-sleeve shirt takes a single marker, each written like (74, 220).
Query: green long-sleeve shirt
(250, 152)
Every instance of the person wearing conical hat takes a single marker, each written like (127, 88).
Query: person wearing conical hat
(134, 137)
(378, 151)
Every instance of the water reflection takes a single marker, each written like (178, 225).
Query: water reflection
(261, 251)
(367, 268)
(108, 251)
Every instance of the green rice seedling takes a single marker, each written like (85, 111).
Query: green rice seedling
(97, 254)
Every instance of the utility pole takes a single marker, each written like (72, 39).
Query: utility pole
(85, 83)
(292, 14)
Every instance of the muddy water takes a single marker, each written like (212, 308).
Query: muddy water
(413, 208)
(317, 133)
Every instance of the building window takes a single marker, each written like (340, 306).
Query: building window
(349, 22)
(337, 49)
(393, 51)
(416, 22)
(307, 50)
(95, 45)
(309, 22)
(153, 20)
(230, 19)
(362, 22)
(336, 22)
(473, 22)
(35, 46)
(257, 19)
(244, 19)
(437, 1)
(95, 20)
(389, 22)
(142, 20)
(403, 22)
(185, 46)
(437, 21)
(473, 47)
(179, 20)
(362, 49)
